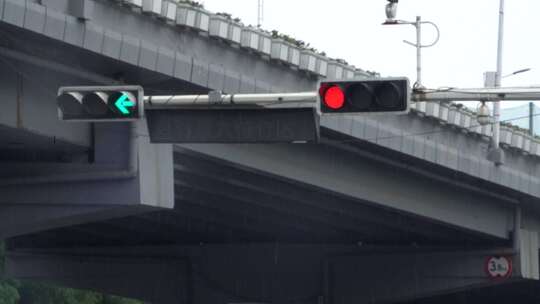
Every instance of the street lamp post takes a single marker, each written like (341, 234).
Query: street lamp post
(391, 11)
(496, 154)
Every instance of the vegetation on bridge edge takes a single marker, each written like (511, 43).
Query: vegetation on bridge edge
(20, 292)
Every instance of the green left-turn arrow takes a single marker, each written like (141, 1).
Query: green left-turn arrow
(123, 103)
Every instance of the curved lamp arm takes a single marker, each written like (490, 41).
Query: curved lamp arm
(426, 45)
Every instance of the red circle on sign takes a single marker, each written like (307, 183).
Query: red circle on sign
(334, 98)
(498, 267)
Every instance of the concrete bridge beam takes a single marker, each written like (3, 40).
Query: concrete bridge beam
(273, 273)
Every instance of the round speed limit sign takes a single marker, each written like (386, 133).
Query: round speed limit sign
(498, 267)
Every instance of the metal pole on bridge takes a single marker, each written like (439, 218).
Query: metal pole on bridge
(480, 94)
(498, 154)
(310, 98)
(216, 98)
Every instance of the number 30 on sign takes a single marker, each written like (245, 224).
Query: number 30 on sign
(498, 267)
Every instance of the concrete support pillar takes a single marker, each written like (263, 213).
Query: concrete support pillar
(528, 255)
(128, 176)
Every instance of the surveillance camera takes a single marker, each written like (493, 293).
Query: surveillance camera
(391, 10)
(483, 114)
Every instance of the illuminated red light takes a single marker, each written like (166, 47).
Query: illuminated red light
(334, 98)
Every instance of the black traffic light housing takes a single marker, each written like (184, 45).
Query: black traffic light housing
(100, 103)
(381, 95)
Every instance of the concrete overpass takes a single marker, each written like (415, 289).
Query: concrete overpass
(385, 209)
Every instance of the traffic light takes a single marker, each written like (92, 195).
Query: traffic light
(390, 95)
(100, 103)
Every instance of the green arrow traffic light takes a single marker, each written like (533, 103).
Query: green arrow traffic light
(123, 103)
(100, 103)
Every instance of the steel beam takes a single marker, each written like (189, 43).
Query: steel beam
(259, 189)
(360, 178)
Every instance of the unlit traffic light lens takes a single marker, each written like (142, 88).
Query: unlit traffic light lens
(360, 96)
(71, 103)
(388, 95)
(334, 98)
(95, 103)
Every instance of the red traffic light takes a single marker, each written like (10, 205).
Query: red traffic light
(380, 95)
(333, 97)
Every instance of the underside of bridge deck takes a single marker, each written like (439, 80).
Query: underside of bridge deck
(220, 202)
(277, 239)
(369, 215)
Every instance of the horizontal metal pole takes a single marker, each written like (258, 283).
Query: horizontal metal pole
(229, 99)
(307, 98)
(480, 94)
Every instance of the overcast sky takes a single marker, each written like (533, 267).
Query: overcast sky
(352, 30)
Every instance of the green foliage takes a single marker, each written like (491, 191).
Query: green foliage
(15, 292)
(192, 3)
(229, 17)
(226, 15)
(8, 289)
(342, 61)
(8, 293)
(118, 300)
(33, 293)
(298, 43)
